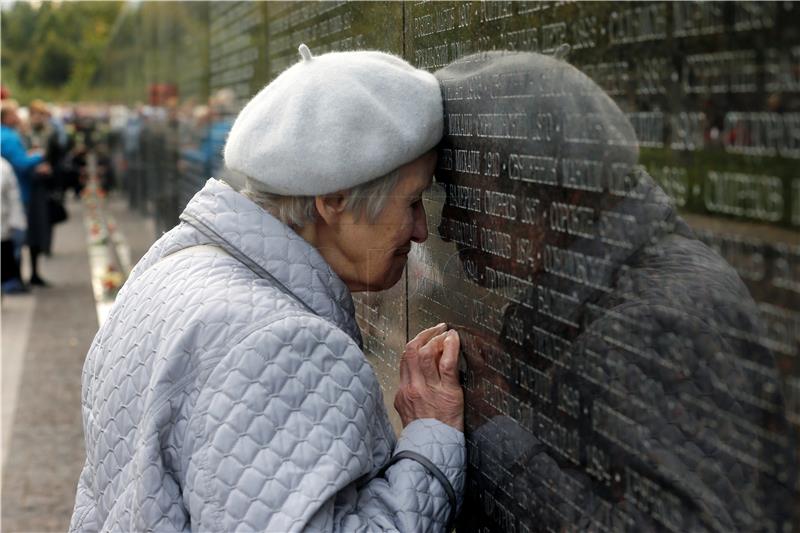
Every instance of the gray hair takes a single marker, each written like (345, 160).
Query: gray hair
(367, 199)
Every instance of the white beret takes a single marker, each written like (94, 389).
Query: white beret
(335, 121)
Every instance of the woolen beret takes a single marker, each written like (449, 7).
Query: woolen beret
(334, 121)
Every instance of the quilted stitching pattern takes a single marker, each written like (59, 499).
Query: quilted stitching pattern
(213, 401)
(277, 249)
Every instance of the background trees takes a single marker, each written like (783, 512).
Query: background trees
(53, 50)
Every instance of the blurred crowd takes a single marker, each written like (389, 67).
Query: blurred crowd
(158, 153)
(44, 155)
(165, 150)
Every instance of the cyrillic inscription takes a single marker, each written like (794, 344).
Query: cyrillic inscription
(745, 195)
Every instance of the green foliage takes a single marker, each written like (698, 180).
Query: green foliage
(158, 43)
(54, 49)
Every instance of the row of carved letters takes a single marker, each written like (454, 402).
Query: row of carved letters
(576, 173)
(302, 14)
(710, 73)
(239, 16)
(638, 24)
(610, 227)
(718, 72)
(784, 269)
(747, 133)
(752, 196)
(218, 51)
(351, 42)
(246, 58)
(285, 44)
(723, 78)
(781, 333)
(238, 26)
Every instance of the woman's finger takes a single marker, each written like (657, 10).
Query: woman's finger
(426, 335)
(448, 365)
(429, 356)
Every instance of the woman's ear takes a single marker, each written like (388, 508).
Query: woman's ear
(330, 207)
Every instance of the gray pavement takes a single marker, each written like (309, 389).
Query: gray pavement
(45, 337)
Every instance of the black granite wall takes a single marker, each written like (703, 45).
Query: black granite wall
(613, 232)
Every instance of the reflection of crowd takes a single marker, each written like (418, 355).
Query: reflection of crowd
(44, 149)
(208, 133)
(165, 150)
(199, 129)
(160, 154)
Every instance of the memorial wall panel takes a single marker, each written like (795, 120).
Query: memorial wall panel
(237, 45)
(331, 26)
(613, 231)
(618, 375)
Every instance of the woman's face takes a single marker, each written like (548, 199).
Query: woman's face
(374, 254)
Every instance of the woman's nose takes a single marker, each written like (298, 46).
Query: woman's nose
(420, 231)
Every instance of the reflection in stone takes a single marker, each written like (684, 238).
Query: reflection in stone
(616, 373)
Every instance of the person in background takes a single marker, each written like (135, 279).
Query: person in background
(12, 219)
(30, 168)
(208, 155)
(48, 134)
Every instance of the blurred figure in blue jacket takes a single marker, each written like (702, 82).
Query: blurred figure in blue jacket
(29, 167)
(208, 153)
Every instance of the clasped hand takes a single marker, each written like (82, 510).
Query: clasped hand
(429, 386)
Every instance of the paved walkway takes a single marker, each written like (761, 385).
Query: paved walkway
(45, 337)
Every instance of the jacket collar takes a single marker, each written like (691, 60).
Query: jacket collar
(273, 251)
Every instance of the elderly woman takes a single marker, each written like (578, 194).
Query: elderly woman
(228, 391)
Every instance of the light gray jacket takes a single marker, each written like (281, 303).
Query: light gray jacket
(228, 392)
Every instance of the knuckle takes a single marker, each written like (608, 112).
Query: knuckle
(410, 352)
(412, 393)
(425, 357)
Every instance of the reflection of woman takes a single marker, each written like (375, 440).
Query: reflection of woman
(227, 391)
(628, 388)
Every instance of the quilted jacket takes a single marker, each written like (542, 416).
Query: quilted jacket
(227, 391)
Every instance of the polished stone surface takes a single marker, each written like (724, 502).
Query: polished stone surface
(613, 232)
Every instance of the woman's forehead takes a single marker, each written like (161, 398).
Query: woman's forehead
(415, 183)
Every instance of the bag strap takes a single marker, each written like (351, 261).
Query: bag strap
(432, 469)
(208, 248)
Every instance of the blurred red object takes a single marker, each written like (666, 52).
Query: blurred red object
(159, 93)
(4, 93)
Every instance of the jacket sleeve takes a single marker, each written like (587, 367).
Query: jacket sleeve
(15, 153)
(289, 431)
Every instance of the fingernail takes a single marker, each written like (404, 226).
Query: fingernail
(441, 324)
